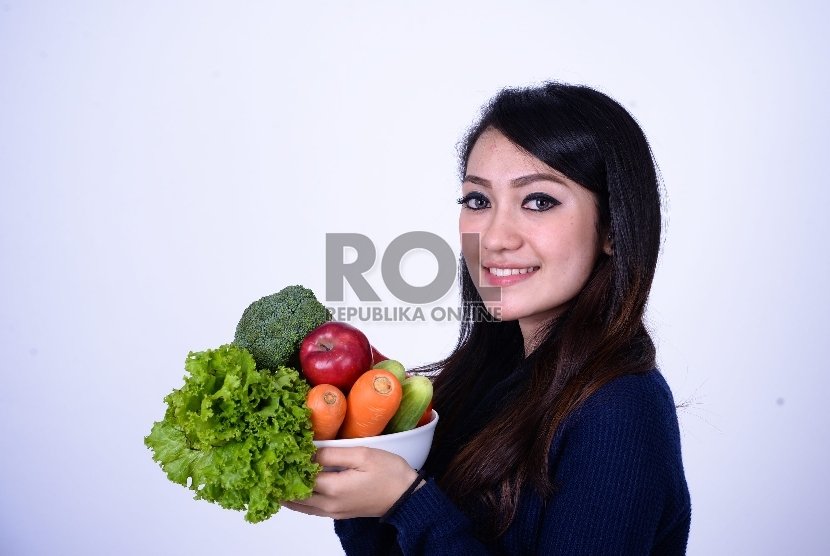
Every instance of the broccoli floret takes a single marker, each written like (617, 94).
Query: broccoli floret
(272, 328)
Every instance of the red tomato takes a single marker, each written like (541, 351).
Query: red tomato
(426, 417)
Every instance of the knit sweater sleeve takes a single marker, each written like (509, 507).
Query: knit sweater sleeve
(427, 523)
(621, 489)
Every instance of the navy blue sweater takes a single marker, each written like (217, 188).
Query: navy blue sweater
(622, 489)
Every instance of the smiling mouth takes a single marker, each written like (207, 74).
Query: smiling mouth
(511, 271)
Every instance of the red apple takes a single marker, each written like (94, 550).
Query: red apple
(377, 356)
(335, 353)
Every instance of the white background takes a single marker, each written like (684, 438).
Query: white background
(163, 164)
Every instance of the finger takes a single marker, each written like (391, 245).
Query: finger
(330, 483)
(305, 509)
(313, 502)
(316, 504)
(309, 510)
(350, 458)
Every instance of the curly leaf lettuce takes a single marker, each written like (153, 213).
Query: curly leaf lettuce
(237, 436)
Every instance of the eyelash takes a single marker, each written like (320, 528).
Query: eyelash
(465, 201)
(475, 196)
(541, 197)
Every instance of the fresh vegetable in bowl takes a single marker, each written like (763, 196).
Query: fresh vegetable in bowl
(415, 398)
(372, 401)
(273, 327)
(328, 408)
(237, 435)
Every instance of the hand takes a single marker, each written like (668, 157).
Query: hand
(373, 481)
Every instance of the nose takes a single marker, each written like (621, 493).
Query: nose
(501, 232)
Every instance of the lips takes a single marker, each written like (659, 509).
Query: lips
(495, 271)
(503, 276)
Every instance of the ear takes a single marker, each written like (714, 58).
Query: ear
(608, 244)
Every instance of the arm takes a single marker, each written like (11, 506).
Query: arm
(373, 480)
(364, 536)
(428, 523)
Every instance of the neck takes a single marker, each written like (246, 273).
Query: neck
(530, 334)
(533, 328)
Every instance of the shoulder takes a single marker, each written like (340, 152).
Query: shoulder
(643, 397)
(633, 416)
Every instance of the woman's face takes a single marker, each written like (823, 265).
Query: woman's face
(537, 232)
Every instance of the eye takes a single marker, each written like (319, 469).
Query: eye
(539, 202)
(474, 201)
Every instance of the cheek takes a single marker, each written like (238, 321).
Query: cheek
(470, 237)
(467, 223)
(470, 242)
(571, 250)
(583, 253)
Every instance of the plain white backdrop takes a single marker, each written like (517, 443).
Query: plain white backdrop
(163, 164)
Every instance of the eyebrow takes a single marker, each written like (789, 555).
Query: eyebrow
(518, 182)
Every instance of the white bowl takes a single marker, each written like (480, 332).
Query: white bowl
(413, 445)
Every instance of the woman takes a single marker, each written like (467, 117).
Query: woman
(557, 433)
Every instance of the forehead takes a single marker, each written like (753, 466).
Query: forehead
(495, 157)
(494, 150)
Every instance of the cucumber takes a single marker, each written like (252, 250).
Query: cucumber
(417, 393)
(394, 367)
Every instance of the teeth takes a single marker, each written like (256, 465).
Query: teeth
(510, 271)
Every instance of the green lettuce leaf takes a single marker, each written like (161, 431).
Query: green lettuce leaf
(237, 436)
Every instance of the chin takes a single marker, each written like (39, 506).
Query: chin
(529, 316)
(495, 311)
(502, 313)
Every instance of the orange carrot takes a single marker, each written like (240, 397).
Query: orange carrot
(328, 407)
(372, 402)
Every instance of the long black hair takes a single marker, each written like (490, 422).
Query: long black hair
(594, 141)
